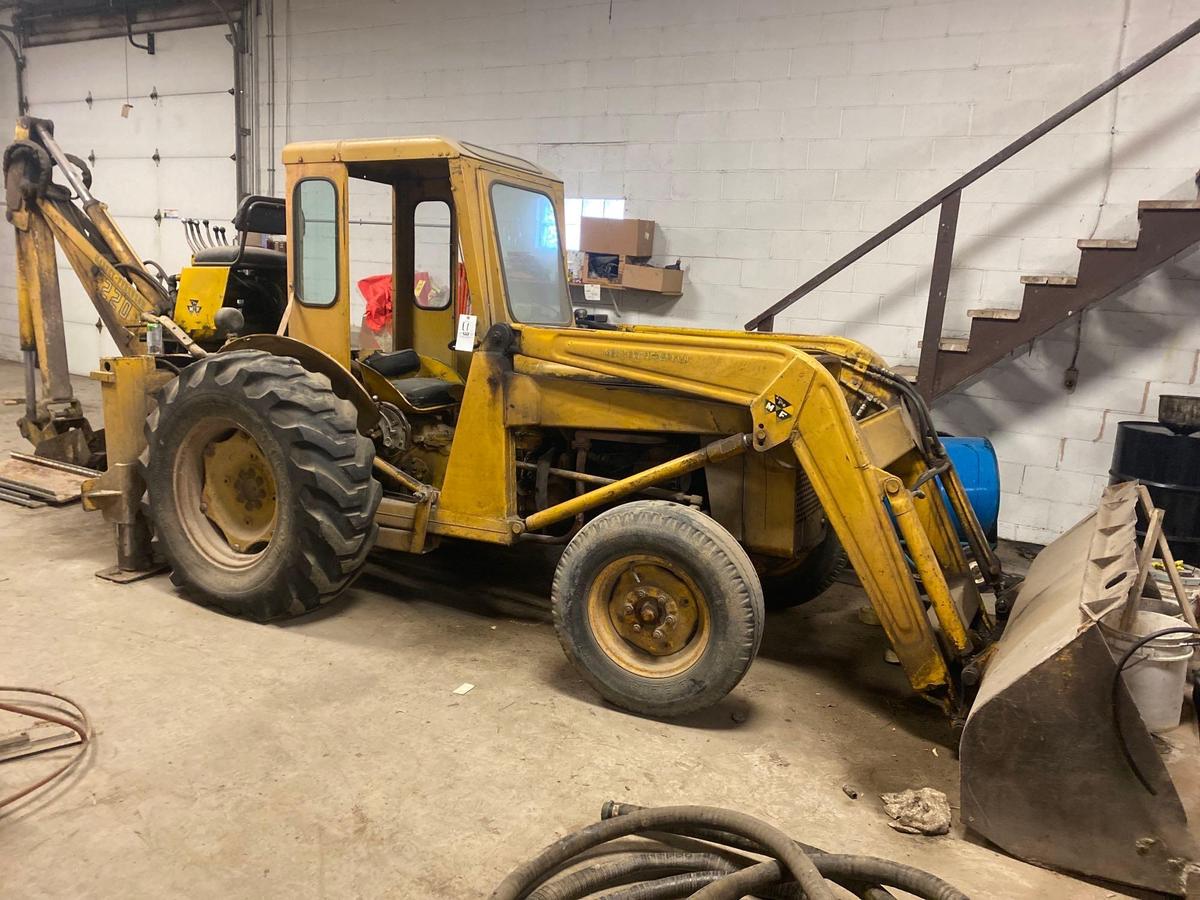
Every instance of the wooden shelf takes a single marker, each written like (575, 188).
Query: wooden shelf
(621, 287)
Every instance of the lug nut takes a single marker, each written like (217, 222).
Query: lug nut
(641, 594)
(669, 620)
(658, 634)
(637, 628)
(628, 610)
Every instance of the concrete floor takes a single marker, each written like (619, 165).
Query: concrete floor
(328, 756)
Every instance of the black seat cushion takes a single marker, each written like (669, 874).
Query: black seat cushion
(427, 393)
(254, 257)
(393, 364)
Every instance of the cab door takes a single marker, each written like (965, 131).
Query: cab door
(426, 268)
(318, 258)
(524, 242)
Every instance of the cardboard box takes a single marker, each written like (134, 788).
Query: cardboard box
(624, 237)
(652, 278)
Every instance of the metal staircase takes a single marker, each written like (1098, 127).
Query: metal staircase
(1166, 228)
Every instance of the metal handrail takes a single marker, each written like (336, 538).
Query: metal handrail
(949, 195)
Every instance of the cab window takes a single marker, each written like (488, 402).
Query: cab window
(531, 259)
(316, 239)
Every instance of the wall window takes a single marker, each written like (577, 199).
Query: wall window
(316, 253)
(576, 208)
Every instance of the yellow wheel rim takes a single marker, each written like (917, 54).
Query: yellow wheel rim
(225, 492)
(648, 616)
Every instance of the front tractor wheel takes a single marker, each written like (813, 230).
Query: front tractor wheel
(258, 485)
(658, 607)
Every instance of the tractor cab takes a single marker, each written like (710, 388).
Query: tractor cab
(496, 226)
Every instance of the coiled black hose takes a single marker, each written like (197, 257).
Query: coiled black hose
(793, 870)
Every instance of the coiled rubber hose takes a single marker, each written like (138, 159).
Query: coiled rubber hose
(722, 872)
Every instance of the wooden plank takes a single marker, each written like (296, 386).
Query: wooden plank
(1149, 543)
(1057, 280)
(1106, 244)
(1168, 558)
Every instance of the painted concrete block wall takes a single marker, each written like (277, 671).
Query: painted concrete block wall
(769, 137)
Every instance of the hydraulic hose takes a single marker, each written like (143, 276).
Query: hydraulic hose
(800, 868)
(631, 867)
(793, 870)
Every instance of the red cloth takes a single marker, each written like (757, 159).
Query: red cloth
(377, 291)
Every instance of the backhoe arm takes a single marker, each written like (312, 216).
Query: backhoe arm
(120, 287)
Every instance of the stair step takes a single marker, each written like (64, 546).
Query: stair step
(1058, 280)
(950, 344)
(1105, 244)
(996, 312)
(1169, 204)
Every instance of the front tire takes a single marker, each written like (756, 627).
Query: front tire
(658, 607)
(258, 485)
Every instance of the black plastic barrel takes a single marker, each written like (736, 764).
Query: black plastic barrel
(1168, 463)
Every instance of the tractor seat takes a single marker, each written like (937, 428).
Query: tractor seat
(419, 393)
(252, 258)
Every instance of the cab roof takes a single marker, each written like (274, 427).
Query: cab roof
(429, 146)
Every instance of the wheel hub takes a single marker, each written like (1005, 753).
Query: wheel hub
(653, 609)
(239, 491)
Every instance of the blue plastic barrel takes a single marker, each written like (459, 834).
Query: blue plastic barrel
(974, 459)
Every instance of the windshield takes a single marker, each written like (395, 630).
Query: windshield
(530, 256)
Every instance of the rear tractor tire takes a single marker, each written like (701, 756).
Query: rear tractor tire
(258, 485)
(806, 579)
(658, 607)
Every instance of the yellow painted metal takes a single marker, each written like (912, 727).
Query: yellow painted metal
(39, 302)
(126, 386)
(849, 486)
(888, 435)
(480, 482)
(648, 616)
(399, 149)
(568, 509)
(119, 303)
(201, 295)
(922, 554)
(239, 491)
(554, 401)
(325, 327)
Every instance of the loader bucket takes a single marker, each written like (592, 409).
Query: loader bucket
(1044, 775)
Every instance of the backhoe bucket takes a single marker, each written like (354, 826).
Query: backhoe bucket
(1044, 775)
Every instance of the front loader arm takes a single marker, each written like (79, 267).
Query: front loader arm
(793, 398)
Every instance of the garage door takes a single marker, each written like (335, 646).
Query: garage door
(171, 157)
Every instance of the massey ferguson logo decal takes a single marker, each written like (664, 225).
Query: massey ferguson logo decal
(779, 407)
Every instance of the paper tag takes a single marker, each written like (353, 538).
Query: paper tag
(465, 340)
(591, 293)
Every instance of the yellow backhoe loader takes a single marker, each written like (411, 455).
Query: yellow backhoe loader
(690, 475)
